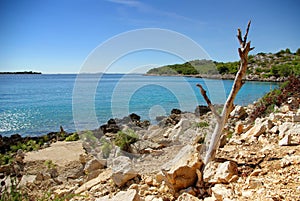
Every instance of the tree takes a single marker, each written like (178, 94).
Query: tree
(243, 51)
(298, 52)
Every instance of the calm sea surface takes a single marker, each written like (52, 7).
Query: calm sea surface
(38, 104)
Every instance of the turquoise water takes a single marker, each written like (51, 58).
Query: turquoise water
(39, 104)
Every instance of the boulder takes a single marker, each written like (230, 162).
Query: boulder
(134, 117)
(129, 195)
(181, 173)
(122, 170)
(175, 111)
(201, 110)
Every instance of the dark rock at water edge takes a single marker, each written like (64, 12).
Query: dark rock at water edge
(201, 110)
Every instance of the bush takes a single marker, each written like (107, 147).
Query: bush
(202, 124)
(73, 137)
(276, 97)
(105, 147)
(125, 139)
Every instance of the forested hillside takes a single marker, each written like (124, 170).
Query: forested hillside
(261, 66)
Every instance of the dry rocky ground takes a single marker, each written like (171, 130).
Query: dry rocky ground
(256, 161)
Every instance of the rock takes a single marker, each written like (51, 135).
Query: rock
(209, 172)
(255, 172)
(134, 117)
(175, 111)
(256, 130)
(286, 141)
(152, 198)
(220, 192)
(27, 179)
(210, 199)
(104, 176)
(239, 128)
(219, 172)
(92, 165)
(290, 160)
(239, 112)
(201, 110)
(225, 171)
(179, 129)
(181, 173)
(253, 183)
(293, 103)
(143, 146)
(284, 109)
(187, 197)
(274, 129)
(122, 170)
(129, 195)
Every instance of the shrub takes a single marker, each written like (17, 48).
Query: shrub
(202, 124)
(105, 147)
(276, 97)
(73, 137)
(125, 139)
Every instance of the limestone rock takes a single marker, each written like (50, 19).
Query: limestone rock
(239, 128)
(104, 176)
(256, 130)
(122, 170)
(284, 108)
(209, 172)
(225, 171)
(220, 192)
(92, 165)
(129, 195)
(239, 112)
(152, 198)
(187, 197)
(286, 141)
(181, 173)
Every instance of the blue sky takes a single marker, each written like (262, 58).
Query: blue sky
(56, 36)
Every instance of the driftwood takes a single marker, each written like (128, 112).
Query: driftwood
(244, 49)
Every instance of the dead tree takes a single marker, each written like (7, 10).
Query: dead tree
(228, 106)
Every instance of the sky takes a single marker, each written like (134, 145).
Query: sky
(57, 36)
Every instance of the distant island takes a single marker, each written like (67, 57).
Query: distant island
(23, 72)
(261, 67)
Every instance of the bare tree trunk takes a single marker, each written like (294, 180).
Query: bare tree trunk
(228, 106)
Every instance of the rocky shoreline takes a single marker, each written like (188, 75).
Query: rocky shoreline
(256, 160)
(249, 77)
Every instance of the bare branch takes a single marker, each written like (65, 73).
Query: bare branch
(247, 30)
(228, 106)
(210, 105)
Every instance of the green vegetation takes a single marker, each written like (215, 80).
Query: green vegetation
(125, 139)
(201, 124)
(73, 137)
(106, 147)
(188, 68)
(12, 192)
(49, 164)
(276, 97)
(281, 64)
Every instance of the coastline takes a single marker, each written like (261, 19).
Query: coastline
(250, 78)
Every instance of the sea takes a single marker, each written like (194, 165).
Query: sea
(36, 104)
